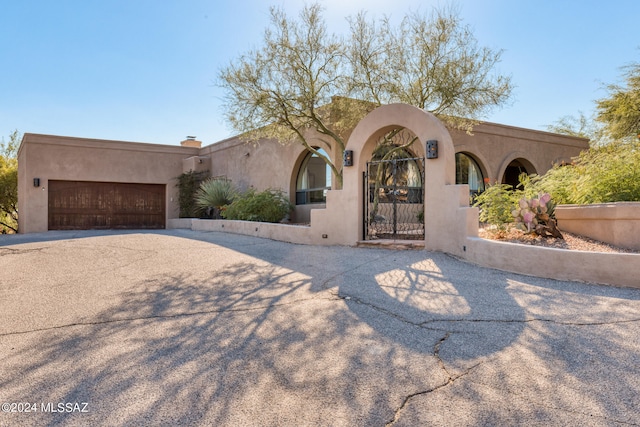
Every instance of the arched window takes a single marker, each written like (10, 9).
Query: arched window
(314, 179)
(468, 172)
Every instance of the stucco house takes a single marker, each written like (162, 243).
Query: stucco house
(79, 183)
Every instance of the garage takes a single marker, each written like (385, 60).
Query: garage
(84, 205)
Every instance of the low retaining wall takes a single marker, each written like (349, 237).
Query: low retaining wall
(614, 223)
(179, 223)
(617, 269)
(283, 232)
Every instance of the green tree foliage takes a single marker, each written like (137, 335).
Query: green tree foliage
(610, 170)
(303, 77)
(264, 206)
(9, 184)
(620, 111)
(560, 181)
(581, 127)
(431, 61)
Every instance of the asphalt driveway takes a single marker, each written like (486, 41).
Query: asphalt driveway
(185, 328)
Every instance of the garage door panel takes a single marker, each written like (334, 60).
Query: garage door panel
(81, 205)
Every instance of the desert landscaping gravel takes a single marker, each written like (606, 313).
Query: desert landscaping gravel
(569, 241)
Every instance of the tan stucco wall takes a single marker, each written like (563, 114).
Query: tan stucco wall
(593, 267)
(447, 214)
(494, 146)
(262, 165)
(269, 164)
(266, 164)
(78, 159)
(614, 223)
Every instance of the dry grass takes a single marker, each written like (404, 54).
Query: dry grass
(570, 242)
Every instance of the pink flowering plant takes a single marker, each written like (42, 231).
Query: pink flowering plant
(536, 215)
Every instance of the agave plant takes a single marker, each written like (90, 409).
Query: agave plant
(214, 194)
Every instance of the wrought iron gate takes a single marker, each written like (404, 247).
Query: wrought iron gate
(394, 199)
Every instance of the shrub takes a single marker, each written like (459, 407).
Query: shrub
(266, 206)
(188, 184)
(214, 194)
(501, 205)
(9, 184)
(496, 204)
(560, 182)
(609, 173)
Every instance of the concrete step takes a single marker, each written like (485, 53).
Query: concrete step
(391, 244)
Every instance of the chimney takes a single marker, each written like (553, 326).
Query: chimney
(191, 142)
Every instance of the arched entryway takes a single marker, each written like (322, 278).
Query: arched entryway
(394, 189)
(514, 169)
(447, 217)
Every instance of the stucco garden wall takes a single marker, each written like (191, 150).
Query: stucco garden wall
(594, 267)
(450, 224)
(614, 223)
(299, 234)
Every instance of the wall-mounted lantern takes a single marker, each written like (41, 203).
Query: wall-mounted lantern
(347, 158)
(432, 149)
(36, 182)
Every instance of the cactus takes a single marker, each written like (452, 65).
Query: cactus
(536, 215)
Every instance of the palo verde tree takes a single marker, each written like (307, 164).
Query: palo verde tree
(617, 117)
(9, 184)
(620, 111)
(610, 170)
(303, 77)
(581, 127)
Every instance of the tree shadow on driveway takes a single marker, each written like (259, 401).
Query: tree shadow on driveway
(267, 333)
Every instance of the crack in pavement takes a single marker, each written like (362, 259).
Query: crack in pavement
(325, 284)
(423, 324)
(450, 380)
(13, 251)
(383, 311)
(169, 316)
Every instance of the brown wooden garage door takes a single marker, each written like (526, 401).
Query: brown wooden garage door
(83, 205)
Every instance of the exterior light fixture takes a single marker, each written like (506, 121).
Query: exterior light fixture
(432, 149)
(347, 158)
(36, 182)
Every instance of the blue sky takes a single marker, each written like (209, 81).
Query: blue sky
(144, 70)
